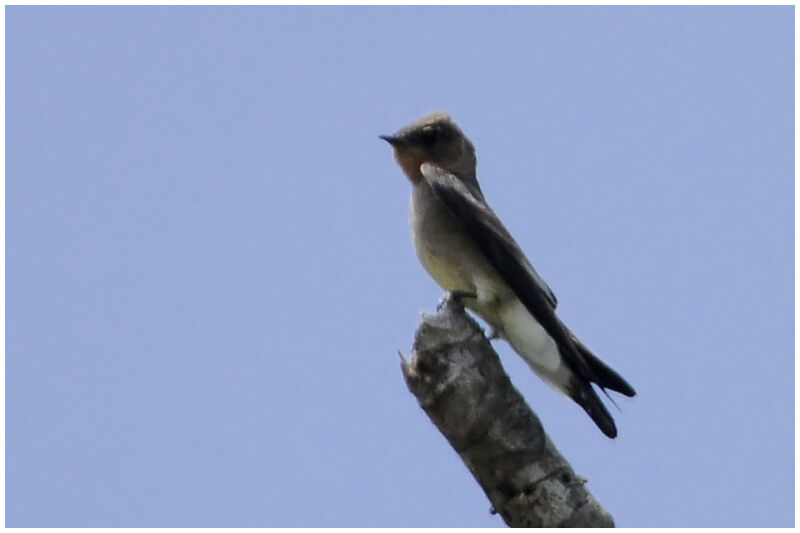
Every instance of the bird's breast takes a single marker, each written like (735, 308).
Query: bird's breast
(439, 246)
(447, 252)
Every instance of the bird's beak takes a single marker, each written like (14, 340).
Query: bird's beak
(393, 140)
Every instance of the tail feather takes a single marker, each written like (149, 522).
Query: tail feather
(604, 375)
(584, 395)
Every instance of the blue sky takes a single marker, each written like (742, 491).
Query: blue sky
(209, 270)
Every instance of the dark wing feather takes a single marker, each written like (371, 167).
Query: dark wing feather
(506, 256)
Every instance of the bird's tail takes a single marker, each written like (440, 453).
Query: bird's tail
(602, 374)
(584, 395)
(605, 377)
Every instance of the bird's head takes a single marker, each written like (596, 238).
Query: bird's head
(435, 139)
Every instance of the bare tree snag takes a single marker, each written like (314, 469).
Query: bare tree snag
(459, 382)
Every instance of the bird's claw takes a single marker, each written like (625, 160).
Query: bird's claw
(455, 296)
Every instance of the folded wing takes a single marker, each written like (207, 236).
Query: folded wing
(505, 255)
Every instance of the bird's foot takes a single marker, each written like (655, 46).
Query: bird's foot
(455, 296)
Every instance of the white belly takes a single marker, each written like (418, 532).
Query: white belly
(534, 345)
(528, 337)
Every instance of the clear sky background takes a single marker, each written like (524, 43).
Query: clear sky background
(209, 270)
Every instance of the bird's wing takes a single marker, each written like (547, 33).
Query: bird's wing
(505, 255)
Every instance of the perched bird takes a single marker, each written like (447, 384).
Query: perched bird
(466, 249)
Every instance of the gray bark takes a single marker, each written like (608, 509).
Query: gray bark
(459, 382)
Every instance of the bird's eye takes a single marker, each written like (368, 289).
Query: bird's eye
(428, 136)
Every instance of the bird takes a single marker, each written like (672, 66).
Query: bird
(467, 250)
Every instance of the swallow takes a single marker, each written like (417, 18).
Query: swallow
(468, 251)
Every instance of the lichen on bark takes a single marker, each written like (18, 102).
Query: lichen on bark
(459, 382)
